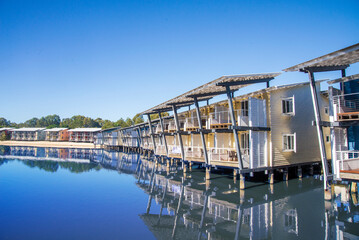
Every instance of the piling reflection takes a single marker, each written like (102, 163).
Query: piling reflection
(184, 205)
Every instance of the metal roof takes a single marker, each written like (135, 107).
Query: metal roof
(85, 130)
(345, 79)
(4, 129)
(333, 61)
(213, 88)
(55, 129)
(28, 129)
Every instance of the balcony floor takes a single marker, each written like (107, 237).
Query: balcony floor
(350, 174)
(348, 116)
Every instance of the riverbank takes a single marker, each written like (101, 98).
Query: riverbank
(49, 144)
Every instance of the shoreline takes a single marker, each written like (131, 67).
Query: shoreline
(48, 144)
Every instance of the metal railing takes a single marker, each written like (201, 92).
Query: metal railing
(346, 103)
(346, 160)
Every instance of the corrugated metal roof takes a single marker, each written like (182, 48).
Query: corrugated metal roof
(213, 88)
(28, 129)
(55, 129)
(345, 79)
(85, 130)
(4, 129)
(345, 56)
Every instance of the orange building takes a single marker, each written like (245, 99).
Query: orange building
(57, 134)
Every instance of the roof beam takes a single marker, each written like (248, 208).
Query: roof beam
(209, 94)
(244, 82)
(323, 68)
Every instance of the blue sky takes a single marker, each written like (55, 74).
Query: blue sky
(113, 59)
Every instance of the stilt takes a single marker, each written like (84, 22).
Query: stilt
(190, 166)
(300, 173)
(235, 173)
(242, 181)
(241, 196)
(285, 175)
(184, 168)
(327, 194)
(311, 170)
(208, 173)
(271, 177)
(353, 187)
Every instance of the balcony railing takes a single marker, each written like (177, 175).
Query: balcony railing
(191, 123)
(346, 160)
(346, 107)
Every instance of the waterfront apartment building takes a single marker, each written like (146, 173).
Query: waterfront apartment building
(57, 134)
(83, 134)
(343, 110)
(28, 134)
(259, 131)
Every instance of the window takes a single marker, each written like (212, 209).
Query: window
(288, 106)
(326, 110)
(244, 108)
(289, 142)
(327, 138)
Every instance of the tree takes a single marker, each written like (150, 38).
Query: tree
(137, 119)
(4, 122)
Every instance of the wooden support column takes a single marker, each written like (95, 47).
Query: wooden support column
(139, 137)
(178, 132)
(285, 175)
(201, 131)
(151, 132)
(235, 173)
(300, 173)
(163, 130)
(271, 177)
(323, 154)
(234, 124)
(242, 181)
(208, 173)
(353, 187)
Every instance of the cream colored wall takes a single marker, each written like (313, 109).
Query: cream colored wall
(307, 148)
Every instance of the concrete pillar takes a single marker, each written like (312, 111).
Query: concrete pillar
(208, 173)
(271, 177)
(300, 173)
(242, 181)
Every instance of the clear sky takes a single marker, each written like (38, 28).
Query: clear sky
(113, 59)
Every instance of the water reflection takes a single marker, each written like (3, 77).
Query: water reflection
(186, 206)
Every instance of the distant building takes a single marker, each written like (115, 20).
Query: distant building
(28, 134)
(6, 131)
(57, 134)
(83, 134)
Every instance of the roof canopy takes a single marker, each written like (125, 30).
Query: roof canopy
(337, 60)
(345, 79)
(85, 130)
(213, 88)
(55, 129)
(28, 129)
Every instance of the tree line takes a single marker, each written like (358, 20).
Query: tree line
(78, 121)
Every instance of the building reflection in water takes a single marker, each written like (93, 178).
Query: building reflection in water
(185, 206)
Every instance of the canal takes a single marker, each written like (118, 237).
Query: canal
(52, 193)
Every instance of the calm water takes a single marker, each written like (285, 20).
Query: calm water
(49, 193)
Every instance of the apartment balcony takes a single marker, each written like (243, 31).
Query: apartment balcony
(174, 151)
(227, 155)
(347, 164)
(222, 119)
(346, 107)
(161, 150)
(191, 123)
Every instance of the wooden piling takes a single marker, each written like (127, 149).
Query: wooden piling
(208, 173)
(271, 177)
(242, 181)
